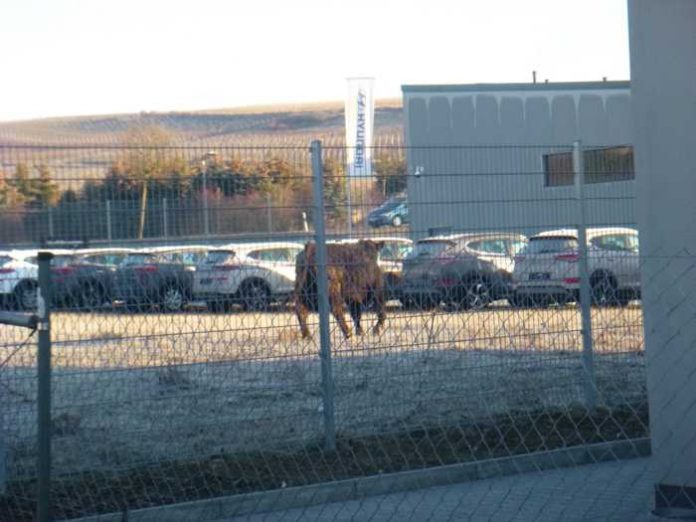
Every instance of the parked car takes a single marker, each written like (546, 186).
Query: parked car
(392, 212)
(83, 278)
(252, 275)
(18, 280)
(478, 270)
(467, 270)
(158, 277)
(104, 256)
(547, 270)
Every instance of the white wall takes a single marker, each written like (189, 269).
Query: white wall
(663, 77)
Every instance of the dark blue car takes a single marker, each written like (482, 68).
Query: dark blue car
(392, 212)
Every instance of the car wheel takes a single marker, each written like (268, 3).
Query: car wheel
(92, 296)
(391, 287)
(397, 221)
(538, 301)
(135, 307)
(518, 300)
(418, 302)
(476, 294)
(26, 295)
(172, 299)
(255, 296)
(604, 291)
(219, 305)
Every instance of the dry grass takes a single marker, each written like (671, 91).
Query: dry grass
(178, 386)
(121, 340)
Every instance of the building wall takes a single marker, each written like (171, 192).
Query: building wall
(663, 71)
(480, 148)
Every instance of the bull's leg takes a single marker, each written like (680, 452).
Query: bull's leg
(338, 309)
(302, 312)
(381, 308)
(356, 314)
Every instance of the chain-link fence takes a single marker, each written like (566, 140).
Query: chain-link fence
(202, 351)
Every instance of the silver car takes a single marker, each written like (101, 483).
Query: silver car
(466, 270)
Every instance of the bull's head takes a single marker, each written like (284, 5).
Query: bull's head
(371, 247)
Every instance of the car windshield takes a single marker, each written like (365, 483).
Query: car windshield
(632, 243)
(188, 257)
(139, 259)
(388, 206)
(550, 245)
(395, 251)
(5, 259)
(63, 261)
(218, 257)
(429, 248)
(616, 242)
(102, 259)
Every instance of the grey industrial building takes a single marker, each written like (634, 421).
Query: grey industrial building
(497, 156)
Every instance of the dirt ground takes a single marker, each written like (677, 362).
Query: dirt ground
(129, 390)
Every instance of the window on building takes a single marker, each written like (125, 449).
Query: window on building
(605, 165)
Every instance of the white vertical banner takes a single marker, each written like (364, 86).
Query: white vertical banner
(360, 114)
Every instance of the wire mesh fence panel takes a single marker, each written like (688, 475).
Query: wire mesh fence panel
(190, 360)
(18, 389)
(127, 193)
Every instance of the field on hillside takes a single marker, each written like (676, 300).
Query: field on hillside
(281, 125)
(129, 390)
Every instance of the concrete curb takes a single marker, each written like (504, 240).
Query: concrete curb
(352, 489)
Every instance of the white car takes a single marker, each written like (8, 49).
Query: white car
(547, 269)
(253, 275)
(19, 278)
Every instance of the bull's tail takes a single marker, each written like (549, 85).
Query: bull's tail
(305, 282)
(305, 277)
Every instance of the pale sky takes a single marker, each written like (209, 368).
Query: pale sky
(78, 57)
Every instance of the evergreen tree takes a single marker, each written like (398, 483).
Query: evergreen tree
(8, 193)
(334, 188)
(46, 191)
(23, 184)
(146, 163)
(391, 174)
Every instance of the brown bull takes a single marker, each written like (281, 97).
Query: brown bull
(354, 277)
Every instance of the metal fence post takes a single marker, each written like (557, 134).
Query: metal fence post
(51, 233)
(323, 299)
(43, 305)
(108, 220)
(269, 212)
(585, 293)
(206, 216)
(165, 225)
(349, 205)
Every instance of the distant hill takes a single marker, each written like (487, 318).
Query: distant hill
(248, 126)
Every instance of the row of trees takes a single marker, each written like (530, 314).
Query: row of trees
(37, 190)
(148, 175)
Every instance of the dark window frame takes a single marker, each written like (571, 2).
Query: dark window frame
(602, 165)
